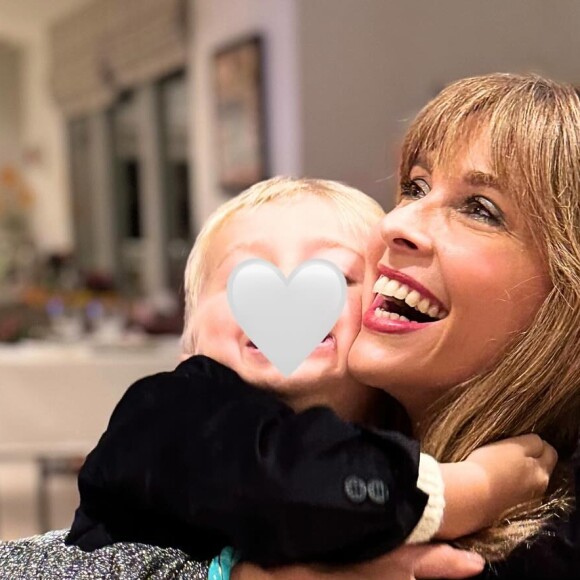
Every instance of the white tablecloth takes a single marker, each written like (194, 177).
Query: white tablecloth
(56, 399)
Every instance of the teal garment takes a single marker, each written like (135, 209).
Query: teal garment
(46, 557)
(221, 566)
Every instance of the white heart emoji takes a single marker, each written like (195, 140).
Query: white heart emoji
(286, 319)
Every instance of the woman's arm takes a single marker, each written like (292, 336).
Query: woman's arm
(407, 563)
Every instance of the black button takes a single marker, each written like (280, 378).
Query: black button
(355, 489)
(377, 491)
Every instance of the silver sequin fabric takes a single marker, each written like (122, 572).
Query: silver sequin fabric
(46, 557)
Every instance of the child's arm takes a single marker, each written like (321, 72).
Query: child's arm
(493, 479)
(197, 459)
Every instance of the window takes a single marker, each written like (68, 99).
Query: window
(131, 187)
(176, 174)
(82, 185)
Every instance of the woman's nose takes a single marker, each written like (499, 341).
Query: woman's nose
(407, 230)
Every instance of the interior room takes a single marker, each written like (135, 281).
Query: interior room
(125, 123)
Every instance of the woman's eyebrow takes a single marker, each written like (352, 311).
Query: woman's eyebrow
(423, 162)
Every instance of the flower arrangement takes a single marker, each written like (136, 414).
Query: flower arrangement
(17, 252)
(15, 200)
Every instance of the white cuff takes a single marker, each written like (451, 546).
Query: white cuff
(429, 481)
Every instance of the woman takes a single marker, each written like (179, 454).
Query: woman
(488, 223)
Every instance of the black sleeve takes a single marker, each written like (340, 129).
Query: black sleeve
(197, 459)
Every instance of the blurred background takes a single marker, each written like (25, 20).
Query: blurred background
(124, 123)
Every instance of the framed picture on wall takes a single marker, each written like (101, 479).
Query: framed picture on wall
(241, 129)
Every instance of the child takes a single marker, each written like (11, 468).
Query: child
(198, 459)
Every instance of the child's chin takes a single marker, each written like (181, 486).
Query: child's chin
(309, 376)
(322, 363)
(326, 347)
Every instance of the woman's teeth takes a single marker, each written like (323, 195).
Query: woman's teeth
(395, 289)
(391, 315)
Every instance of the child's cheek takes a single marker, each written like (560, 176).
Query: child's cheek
(354, 303)
(350, 319)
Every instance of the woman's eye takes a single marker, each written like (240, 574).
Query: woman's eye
(414, 189)
(484, 210)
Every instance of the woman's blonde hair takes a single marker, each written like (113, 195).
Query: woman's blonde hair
(357, 212)
(533, 126)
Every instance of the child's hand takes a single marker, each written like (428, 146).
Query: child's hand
(493, 479)
(515, 471)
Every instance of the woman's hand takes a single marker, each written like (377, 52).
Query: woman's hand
(492, 480)
(406, 563)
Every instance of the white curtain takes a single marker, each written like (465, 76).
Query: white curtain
(111, 45)
(79, 76)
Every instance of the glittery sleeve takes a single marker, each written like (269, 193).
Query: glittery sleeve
(47, 557)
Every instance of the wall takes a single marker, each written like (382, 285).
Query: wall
(342, 79)
(369, 65)
(41, 134)
(44, 135)
(10, 95)
(216, 23)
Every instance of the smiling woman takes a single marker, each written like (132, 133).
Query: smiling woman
(488, 221)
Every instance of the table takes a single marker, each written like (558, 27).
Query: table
(56, 399)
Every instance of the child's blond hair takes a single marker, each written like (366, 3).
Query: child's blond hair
(357, 211)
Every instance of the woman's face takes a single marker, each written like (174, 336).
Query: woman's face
(452, 275)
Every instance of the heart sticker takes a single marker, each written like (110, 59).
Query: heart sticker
(286, 318)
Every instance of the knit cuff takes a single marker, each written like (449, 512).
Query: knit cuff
(429, 481)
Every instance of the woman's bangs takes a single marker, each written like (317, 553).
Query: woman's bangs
(519, 121)
(446, 127)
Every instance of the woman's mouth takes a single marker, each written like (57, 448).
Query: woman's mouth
(399, 308)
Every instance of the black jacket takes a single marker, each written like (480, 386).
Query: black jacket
(197, 459)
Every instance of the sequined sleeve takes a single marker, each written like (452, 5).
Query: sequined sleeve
(47, 557)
